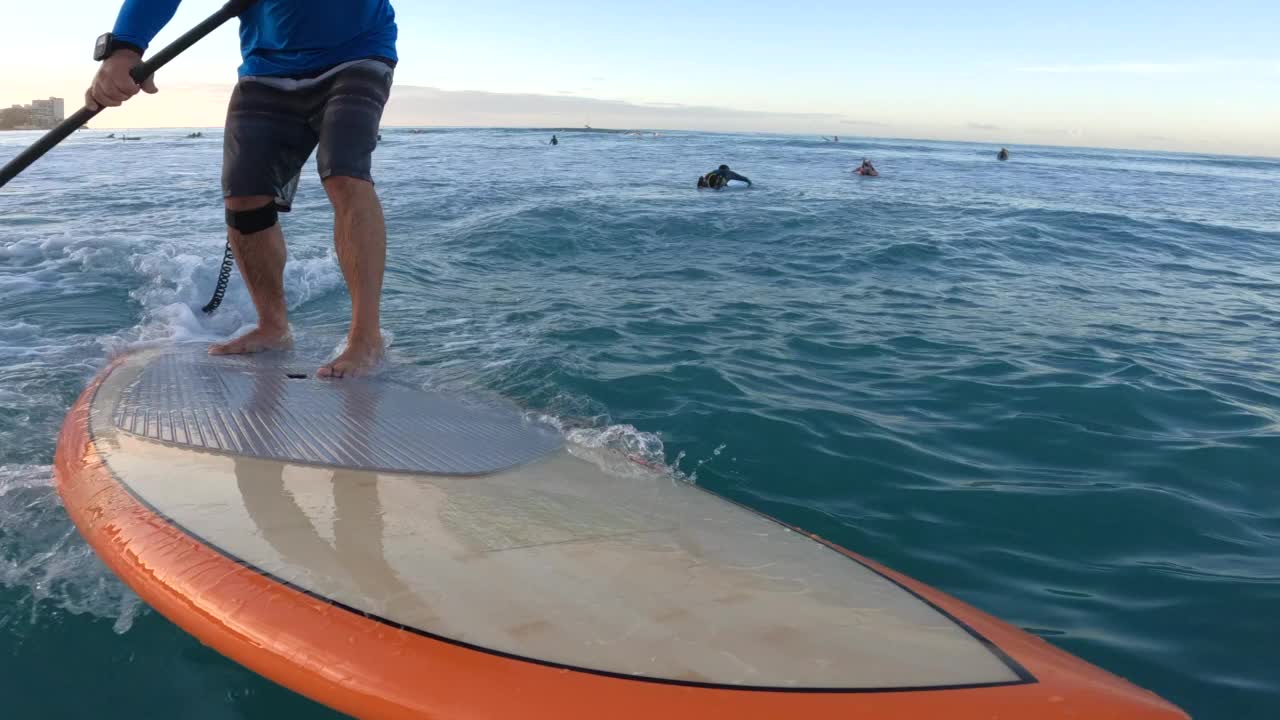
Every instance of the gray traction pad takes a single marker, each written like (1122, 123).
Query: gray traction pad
(247, 405)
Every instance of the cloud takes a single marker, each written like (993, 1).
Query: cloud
(1157, 68)
(204, 105)
(418, 105)
(1117, 68)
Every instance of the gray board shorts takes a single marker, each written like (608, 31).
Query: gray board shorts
(274, 124)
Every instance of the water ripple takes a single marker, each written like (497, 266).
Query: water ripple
(1046, 386)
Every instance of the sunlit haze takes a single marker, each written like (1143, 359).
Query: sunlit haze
(1174, 74)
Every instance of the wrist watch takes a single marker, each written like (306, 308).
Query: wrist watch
(108, 44)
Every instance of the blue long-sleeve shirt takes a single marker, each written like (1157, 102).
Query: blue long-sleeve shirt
(284, 38)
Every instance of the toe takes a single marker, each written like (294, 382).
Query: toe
(334, 370)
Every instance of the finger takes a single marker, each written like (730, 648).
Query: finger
(103, 91)
(106, 94)
(149, 85)
(103, 98)
(114, 97)
(89, 102)
(126, 87)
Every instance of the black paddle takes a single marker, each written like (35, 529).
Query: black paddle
(233, 8)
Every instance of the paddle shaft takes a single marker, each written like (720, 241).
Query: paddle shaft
(143, 71)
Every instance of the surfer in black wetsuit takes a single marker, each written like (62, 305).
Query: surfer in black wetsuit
(554, 140)
(1003, 154)
(719, 178)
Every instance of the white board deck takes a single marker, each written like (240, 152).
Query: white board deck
(569, 558)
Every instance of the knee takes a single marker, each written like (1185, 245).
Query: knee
(344, 192)
(248, 202)
(253, 214)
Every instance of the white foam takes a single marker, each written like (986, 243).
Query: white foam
(171, 281)
(642, 447)
(621, 449)
(177, 286)
(48, 558)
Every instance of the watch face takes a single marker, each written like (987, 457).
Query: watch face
(100, 47)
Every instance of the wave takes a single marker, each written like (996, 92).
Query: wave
(46, 566)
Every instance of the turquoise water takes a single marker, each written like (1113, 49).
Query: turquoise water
(1047, 386)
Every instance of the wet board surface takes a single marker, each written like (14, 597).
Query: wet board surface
(555, 559)
(267, 406)
(393, 552)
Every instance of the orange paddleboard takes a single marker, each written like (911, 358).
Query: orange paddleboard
(398, 553)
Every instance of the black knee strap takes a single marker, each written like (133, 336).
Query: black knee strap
(248, 222)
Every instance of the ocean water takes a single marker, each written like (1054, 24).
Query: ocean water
(1048, 387)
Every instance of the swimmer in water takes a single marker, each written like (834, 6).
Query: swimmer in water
(867, 169)
(554, 140)
(1003, 154)
(719, 178)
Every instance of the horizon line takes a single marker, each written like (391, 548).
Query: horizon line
(191, 102)
(554, 128)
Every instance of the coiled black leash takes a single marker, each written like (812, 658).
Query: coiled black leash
(224, 277)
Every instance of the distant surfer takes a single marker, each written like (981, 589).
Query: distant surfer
(555, 140)
(719, 178)
(835, 138)
(315, 73)
(867, 169)
(1003, 154)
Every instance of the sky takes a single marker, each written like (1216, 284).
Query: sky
(1147, 74)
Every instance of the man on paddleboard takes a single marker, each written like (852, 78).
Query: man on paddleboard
(316, 74)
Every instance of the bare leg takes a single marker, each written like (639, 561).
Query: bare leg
(261, 258)
(360, 238)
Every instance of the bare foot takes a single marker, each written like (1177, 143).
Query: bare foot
(358, 359)
(256, 340)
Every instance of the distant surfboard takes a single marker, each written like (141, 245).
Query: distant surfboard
(395, 552)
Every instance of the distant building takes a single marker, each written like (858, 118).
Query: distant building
(47, 113)
(39, 115)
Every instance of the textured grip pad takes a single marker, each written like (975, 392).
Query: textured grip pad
(249, 405)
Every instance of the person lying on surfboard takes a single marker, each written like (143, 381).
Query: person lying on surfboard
(316, 73)
(866, 168)
(719, 178)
